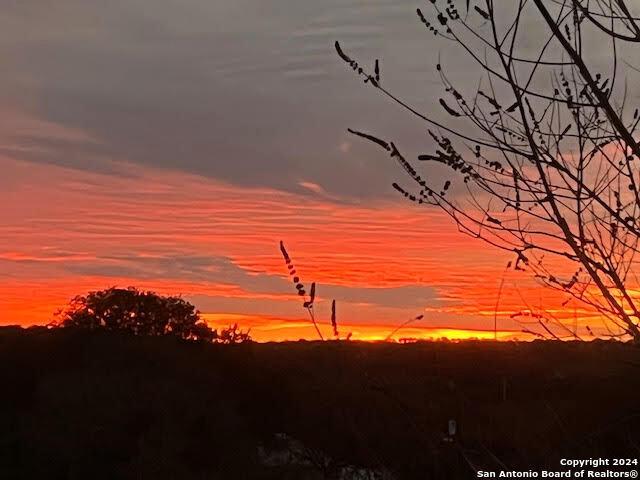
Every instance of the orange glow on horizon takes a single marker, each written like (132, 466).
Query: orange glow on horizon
(272, 329)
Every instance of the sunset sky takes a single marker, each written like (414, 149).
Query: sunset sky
(171, 145)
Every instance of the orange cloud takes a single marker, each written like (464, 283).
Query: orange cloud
(67, 231)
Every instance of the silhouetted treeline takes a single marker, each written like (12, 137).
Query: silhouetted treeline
(105, 405)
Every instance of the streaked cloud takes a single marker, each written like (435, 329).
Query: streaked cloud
(67, 231)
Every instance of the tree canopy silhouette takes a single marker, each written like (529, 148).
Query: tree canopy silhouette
(137, 312)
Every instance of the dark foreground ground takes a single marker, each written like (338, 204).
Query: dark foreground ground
(100, 406)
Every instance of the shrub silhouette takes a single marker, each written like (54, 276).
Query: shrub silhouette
(233, 334)
(138, 312)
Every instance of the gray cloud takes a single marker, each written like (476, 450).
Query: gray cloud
(216, 269)
(245, 91)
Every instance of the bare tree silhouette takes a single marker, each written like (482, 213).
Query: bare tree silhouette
(542, 152)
